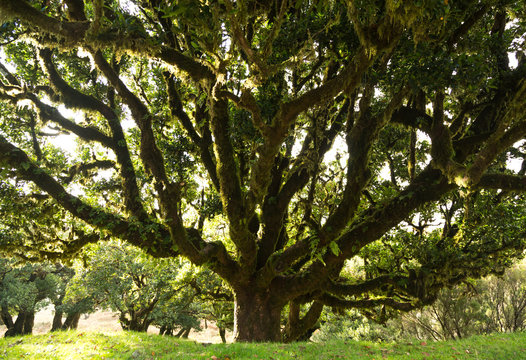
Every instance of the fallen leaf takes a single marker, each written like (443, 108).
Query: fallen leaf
(213, 357)
(423, 343)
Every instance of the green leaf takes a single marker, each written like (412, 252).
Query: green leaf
(334, 248)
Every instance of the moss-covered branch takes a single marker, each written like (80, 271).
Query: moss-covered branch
(503, 182)
(76, 99)
(336, 302)
(49, 113)
(76, 33)
(232, 196)
(156, 241)
(177, 111)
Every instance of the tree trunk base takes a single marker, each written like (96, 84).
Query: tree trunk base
(256, 318)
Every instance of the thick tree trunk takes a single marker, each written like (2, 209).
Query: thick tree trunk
(29, 321)
(57, 320)
(301, 328)
(72, 321)
(23, 324)
(6, 317)
(256, 317)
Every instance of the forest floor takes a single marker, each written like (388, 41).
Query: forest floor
(108, 322)
(73, 345)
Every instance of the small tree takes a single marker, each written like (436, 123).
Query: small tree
(72, 310)
(492, 304)
(457, 313)
(216, 299)
(126, 280)
(23, 290)
(505, 300)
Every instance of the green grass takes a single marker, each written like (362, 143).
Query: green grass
(129, 345)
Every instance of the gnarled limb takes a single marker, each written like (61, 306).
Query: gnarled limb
(176, 108)
(75, 33)
(366, 303)
(230, 187)
(49, 113)
(296, 327)
(359, 141)
(76, 99)
(13, 157)
(347, 80)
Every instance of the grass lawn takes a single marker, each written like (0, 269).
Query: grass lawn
(129, 345)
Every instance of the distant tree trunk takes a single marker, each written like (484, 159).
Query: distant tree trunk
(186, 333)
(135, 323)
(29, 322)
(72, 321)
(18, 326)
(57, 320)
(23, 324)
(180, 333)
(166, 330)
(6, 317)
(222, 333)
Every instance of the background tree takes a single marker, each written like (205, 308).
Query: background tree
(484, 306)
(72, 310)
(23, 291)
(215, 299)
(142, 290)
(291, 113)
(493, 304)
(506, 298)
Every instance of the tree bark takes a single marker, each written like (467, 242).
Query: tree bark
(29, 321)
(23, 324)
(222, 333)
(135, 324)
(166, 330)
(301, 329)
(72, 321)
(57, 320)
(257, 316)
(186, 333)
(6, 317)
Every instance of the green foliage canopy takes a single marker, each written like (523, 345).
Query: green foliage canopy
(275, 141)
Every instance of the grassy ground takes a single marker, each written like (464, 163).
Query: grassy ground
(127, 345)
